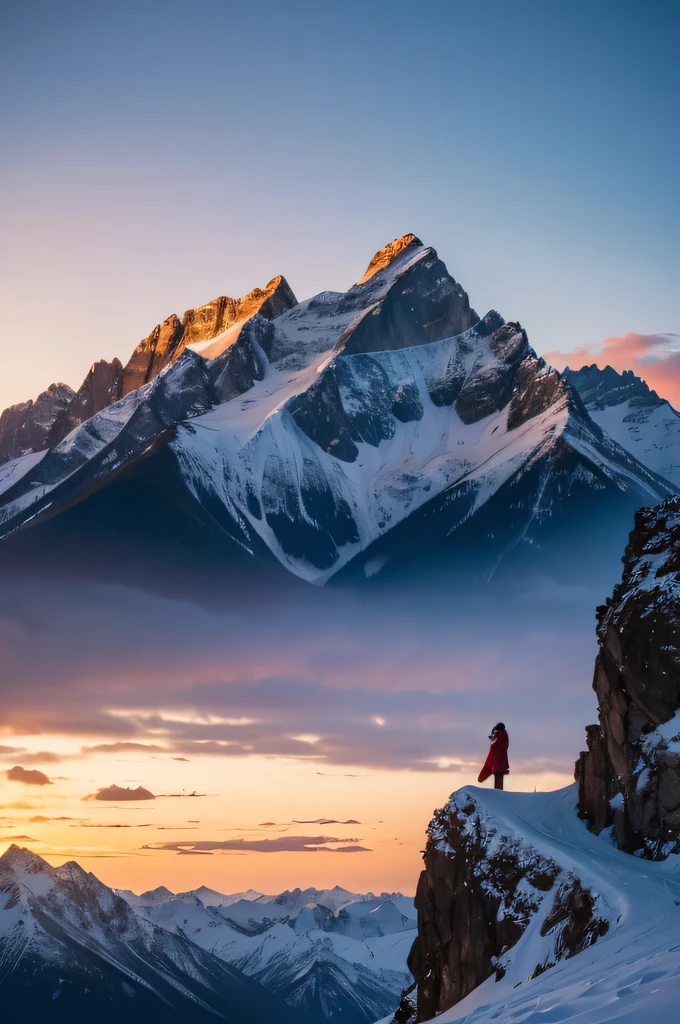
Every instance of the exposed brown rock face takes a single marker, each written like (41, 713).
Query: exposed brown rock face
(168, 340)
(634, 753)
(101, 388)
(384, 256)
(162, 347)
(32, 426)
(212, 320)
(475, 898)
(26, 427)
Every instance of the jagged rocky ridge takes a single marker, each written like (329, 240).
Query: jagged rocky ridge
(32, 426)
(350, 428)
(624, 406)
(630, 775)
(27, 427)
(71, 950)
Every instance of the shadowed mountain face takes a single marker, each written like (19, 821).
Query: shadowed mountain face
(27, 427)
(351, 433)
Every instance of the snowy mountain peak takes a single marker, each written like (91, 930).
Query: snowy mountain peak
(323, 433)
(19, 858)
(626, 408)
(387, 254)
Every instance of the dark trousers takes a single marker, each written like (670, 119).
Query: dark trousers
(498, 780)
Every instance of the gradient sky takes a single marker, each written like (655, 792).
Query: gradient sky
(158, 154)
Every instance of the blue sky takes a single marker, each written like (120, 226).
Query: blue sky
(159, 154)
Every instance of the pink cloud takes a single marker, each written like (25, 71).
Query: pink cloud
(121, 793)
(654, 357)
(30, 777)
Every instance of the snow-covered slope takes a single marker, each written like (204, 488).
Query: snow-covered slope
(72, 950)
(328, 953)
(323, 431)
(629, 967)
(632, 414)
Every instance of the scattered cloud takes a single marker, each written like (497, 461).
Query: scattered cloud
(82, 824)
(121, 793)
(175, 795)
(13, 839)
(41, 757)
(41, 819)
(121, 747)
(654, 357)
(345, 775)
(29, 777)
(326, 821)
(289, 844)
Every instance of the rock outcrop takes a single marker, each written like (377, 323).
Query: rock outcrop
(200, 326)
(161, 348)
(35, 425)
(101, 388)
(483, 884)
(207, 323)
(27, 427)
(630, 776)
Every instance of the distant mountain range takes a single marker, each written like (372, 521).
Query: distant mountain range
(354, 433)
(328, 953)
(71, 949)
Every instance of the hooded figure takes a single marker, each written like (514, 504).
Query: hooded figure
(496, 763)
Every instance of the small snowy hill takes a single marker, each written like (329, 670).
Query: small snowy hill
(328, 953)
(593, 933)
(71, 950)
(632, 414)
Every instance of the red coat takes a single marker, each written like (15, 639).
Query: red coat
(497, 759)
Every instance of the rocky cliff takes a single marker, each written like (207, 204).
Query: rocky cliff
(629, 777)
(491, 881)
(492, 890)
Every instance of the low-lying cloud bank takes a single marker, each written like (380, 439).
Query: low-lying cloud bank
(412, 686)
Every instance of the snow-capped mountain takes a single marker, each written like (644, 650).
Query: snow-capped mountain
(72, 950)
(636, 417)
(328, 953)
(352, 428)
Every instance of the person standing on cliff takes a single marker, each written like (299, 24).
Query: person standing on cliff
(496, 763)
